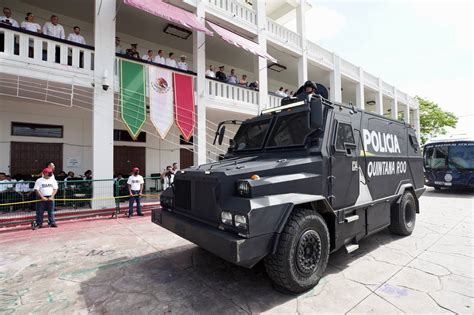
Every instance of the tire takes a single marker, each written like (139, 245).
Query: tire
(403, 215)
(302, 253)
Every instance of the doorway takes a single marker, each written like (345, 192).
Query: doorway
(186, 158)
(126, 158)
(29, 158)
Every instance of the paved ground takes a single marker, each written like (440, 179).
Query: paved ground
(133, 266)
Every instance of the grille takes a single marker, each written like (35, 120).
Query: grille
(197, 197)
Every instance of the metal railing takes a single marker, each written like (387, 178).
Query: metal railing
(75, 198)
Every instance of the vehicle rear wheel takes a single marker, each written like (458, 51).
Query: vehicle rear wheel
(403, 215)
(302, 253)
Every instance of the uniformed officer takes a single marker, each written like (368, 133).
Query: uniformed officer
(309, 88)
(135, 188)
(46, 188)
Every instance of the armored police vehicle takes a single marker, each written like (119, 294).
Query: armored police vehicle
(299, 181)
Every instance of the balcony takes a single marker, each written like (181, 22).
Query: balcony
(283, 36)
(231, 9)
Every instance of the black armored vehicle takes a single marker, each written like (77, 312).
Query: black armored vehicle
(299, 181)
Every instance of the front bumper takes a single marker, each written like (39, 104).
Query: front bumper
(245, 252)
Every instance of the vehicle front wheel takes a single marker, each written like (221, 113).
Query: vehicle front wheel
(403, 215)
(302, 253)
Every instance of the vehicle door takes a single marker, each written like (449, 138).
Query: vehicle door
(344, 179)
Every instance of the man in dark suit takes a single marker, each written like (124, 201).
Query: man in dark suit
(220, 75)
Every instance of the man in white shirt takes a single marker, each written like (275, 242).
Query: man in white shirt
(160, 58)
(7, 18)
(135, 188)
(46, 188)
(53, 28)
(182, 63)
(118, 48)
(76, 37)
(3, 183)
(148, 56)
(170, 61)
(210, 72)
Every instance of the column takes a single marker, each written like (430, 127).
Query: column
(417, 121)
(406, 113)
(301, 30)
(335, 93)
(261, 63)
(199, 66)
(103, 112)
(379, 99)
(360, 96)
(394, 105)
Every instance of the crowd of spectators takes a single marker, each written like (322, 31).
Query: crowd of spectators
(283, 92)
(51, 28)
(232, 78)
(150, 56)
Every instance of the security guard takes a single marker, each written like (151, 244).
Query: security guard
(309, 88)
(135, 188)
(46, 188)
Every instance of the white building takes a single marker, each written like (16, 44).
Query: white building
(75, 117)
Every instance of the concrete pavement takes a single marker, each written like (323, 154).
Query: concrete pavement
(133, 266)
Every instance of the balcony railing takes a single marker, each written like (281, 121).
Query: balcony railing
(282, 34)
(18, 44)
(274, 100)
(319, 54)
(235, 9)
(231, 92)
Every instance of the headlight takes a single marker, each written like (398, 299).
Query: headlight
(243, 189)
(226, 217)
(240, 221)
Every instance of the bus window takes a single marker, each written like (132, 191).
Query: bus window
(436, 157)
(461, 157)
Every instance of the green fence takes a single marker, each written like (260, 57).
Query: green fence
(75, 198)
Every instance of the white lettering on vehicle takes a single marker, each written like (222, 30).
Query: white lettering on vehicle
(380, 142)
(381, 168)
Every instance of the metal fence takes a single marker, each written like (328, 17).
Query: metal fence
(75, 198)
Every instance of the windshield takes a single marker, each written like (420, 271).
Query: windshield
(251, 135)
(450, 156)
(289, 130)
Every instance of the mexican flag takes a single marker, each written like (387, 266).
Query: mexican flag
(132, 96)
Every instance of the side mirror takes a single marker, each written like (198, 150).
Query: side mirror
(221, 135)
(316, 114)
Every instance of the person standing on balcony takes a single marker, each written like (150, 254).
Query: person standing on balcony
(118, 48)
(170, 61)
(243, 81)
(232, 77)
(148, 56)
(46, 188)
(182, 63)
(53, 28)
(133, 52)
(220, 75)
(254, 85)
(7, 18)
(29, 25)
(76, 36)
(160, 58)
(210, 72)
(135, 188)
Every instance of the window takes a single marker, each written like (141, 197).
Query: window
(250, 136)
(36, 130)
(436, 157)
(183, 141)
(289, 130)
(414, 142)
(344, 136)
(123, 135)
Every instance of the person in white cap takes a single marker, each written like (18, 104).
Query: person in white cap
(46, 188)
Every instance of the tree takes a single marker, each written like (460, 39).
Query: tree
(434, 120)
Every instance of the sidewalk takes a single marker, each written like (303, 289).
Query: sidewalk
(132, 266)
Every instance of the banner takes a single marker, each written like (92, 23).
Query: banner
(184, 103)
(132, 96)
(161, 99)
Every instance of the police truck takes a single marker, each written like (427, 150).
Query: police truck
(299, 181)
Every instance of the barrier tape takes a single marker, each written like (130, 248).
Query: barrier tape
(77, 199)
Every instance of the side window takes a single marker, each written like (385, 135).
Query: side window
(344, 135)
(414, 142)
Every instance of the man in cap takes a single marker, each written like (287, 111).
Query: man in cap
(182, 63)
(220, 75)
(135, 188)
(46, 188)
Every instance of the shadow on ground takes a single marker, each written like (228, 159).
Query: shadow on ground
(188, 279)
(449, 192)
